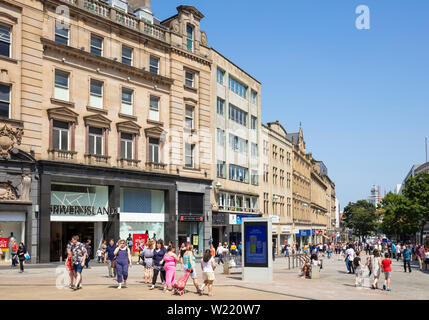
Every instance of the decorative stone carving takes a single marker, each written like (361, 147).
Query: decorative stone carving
(7, 192)
(204, 40)
(26, 183)
(8, 138)
(175, 26)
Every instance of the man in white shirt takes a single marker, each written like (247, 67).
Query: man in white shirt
(350, 253)
(219, 252)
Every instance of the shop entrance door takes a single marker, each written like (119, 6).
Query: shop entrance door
(61, 234)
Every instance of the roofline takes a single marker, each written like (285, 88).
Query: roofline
(235, 65)
(172, 17)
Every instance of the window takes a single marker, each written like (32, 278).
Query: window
(61, 32)
(237, 173)
(154, 150)
(222, 198)
(154, 108)
(4, 101)
(254, 178)
(238, 88)
(189, 117)
(95, 141)
(237, 115)
(60, 135)
(127, 56)
(231, 200)
(254, 97)
(96, 45)
(189, 79)
(61, 91)
(220, 134)
(190, 37)
(253, 123)
(254, 150)
(127, 101)
(266, 173)
(96, 94)
(220, 76)
(154, 65)
(266, 148)
(220, 108)
(189, 155)
(221, 169)
(237, 144)
(127, 145)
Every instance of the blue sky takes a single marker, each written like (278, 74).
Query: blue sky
(362, 95)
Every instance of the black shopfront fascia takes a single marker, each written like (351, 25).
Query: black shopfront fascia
(190, 207)
(52, 172)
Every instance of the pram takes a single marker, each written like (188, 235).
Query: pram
(179, 285)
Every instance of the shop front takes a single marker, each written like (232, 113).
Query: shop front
(303, 237)
(234, 228)
(142, 212)
(220, 222)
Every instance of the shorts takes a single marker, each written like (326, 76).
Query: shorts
(210, 276)
(77, 268)
(193, 275)
(387, 275)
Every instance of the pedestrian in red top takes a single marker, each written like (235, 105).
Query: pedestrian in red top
(387, 269)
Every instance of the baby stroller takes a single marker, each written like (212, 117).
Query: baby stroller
(179, 286)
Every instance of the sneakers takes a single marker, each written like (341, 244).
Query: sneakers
(388, 289)
(384, 287)
(152, 287)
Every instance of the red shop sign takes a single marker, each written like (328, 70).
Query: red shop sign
(4, 243)
(136, 241)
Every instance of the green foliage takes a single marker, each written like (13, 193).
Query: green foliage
(361, 216)
(400, 215)
(417, 190)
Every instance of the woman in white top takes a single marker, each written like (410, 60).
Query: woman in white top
(376, 268)
(208, 266)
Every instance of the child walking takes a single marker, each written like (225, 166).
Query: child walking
(387, 269)
(208, 265)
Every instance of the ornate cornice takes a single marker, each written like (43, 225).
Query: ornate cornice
(128, 127)
(62, 114)
(191, 56)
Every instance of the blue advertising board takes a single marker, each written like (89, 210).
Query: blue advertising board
(256, 244)
(303, 233)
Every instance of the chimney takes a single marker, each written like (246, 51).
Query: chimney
(140, 3)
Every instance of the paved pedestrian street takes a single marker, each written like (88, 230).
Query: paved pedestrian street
(46, 282)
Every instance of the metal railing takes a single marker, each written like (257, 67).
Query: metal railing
(297, 260)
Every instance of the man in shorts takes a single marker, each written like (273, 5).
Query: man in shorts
(79, 255)
(387, 269)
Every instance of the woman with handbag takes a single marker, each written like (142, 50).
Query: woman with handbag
(158, 255)
(148, 262)
(21, 256)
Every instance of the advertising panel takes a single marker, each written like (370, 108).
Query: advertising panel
(256, 244)
(136, 239)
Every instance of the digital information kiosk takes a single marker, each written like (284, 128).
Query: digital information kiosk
(257, 249)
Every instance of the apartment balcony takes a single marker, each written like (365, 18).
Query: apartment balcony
(96, 159)
(130, 21)
(62, 155)
(155, 166)
(128, 163)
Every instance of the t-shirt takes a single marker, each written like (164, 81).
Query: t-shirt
(356, 261)
(78, 251)
(350, 253)
(407, 254)
(233, 247)
(207, 266)
(212, 252)
(387, 265)
(111, 252)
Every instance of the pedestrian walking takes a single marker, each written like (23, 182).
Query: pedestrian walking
(375, 268)
(169, 261)
(109, 258)
(208, 265)
(189, 263)
(21, 256)
(406, 253)
(181, 253)
(148, 262)
(350, 254)
(88, 248)
(387, 269)
(69, 266)
(212, 250)
(420, 253)
(358, 268)
(158, 255)
(427, 258)
(398, 251)
(14, 253)
(219, 252)
(122, 262)
(99, 255)
(79, 254)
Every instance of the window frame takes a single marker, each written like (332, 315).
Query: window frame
(7, 102)
(152, 66)
(223, 106)
(127, 142)
(190, 37)
(192, 155)
(221, 79)
(95, 136)
(96, 94)
(152, 148)
(152, 109)
(191, 118)
(91, 46)
(60, 35)
(60, 86)
(188, 80)
(60, 135)
(131, 104)
(125, 58)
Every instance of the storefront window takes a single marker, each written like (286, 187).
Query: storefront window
(15, 227)
(142, 201)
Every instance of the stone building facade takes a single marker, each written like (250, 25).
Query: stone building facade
(276, 182)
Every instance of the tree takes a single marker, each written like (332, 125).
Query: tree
(417, 190)
(400, 216)
(360, 216)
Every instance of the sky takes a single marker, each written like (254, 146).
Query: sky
(362, 95)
